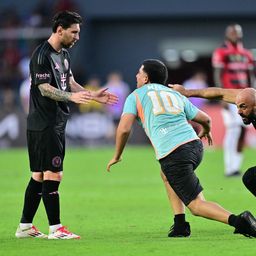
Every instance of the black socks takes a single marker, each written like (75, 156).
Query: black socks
(232, 220)
(51, 201)
(48, 190)
(32, 199)
(179, 219)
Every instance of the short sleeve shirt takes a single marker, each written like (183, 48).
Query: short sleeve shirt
(163, 114)
(235, 62)
(52, 67)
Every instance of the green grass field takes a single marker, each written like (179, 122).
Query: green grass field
(125, 212)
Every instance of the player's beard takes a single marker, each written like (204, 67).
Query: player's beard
(248, 119)
(67, 45)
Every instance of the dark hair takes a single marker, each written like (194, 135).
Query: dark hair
(65, 19)
(156, 71)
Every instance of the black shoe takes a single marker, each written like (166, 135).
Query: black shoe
(246, 224)
(180, 231)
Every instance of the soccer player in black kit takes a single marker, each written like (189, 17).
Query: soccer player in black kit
(52, 87)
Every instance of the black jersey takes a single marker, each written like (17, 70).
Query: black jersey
(52, 67)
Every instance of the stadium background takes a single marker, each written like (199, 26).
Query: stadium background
(117, 36)
(124, 212)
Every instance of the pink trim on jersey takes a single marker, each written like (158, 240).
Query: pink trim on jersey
(142, 118)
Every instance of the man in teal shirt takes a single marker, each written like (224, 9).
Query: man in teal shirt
(164, 114)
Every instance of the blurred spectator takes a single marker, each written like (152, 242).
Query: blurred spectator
(10, 76)
(197, 81)
(9, 18)
(116, 85)
(92, 126)
(24, 89)
(11, 54)
(24, 67)
(9, 120)
(233, 69)
(39, 17)
(62, 5)
(8, 101)
(24, 94)
(93, 84)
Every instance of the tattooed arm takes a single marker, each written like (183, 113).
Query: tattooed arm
(55, 94)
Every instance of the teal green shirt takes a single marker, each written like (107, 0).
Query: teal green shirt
(163, 114)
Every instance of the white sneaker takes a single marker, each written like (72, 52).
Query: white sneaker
(63, 233)
(31, 232)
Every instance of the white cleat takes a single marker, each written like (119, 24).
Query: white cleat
(31, 232)
(63, 233)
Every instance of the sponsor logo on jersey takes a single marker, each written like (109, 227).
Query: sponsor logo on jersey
(42, 76)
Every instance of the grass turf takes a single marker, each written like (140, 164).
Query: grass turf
(125, 212)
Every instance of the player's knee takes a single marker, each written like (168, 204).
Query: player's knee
(37, 176)
(57, 176)
(194, 210)
(249, 178)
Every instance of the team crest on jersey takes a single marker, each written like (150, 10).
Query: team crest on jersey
(56, 161)
(66, 63)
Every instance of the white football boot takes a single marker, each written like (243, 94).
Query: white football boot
(63, 233)
(31, 232)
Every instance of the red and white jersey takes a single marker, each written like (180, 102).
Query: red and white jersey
(235, 61)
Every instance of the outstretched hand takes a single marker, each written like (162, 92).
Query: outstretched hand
(102, 96)
(179, 88)
(82, 97)
(112, 162)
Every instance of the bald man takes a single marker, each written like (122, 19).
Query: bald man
(245, 100)
(246, 105)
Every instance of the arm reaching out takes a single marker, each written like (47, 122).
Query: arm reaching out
(56, 94)
(101, 96)
(227, 95)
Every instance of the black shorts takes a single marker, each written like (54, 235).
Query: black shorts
(46, 150)
(179, 167)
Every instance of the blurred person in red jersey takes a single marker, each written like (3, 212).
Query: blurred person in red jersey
(233, 69)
